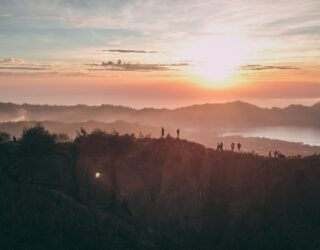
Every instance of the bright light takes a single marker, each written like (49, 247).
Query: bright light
(215, 60)
(97, 175)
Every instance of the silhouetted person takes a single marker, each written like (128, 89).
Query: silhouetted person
(14, 139)
(275, 154)
(270, 153)
(218, 146)
(162, 132)
(239, 146)
(221, 146)
(232, 146)
(178, 133)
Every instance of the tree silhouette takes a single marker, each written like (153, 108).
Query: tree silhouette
(4, 137)
(37, 140)
(61, 137)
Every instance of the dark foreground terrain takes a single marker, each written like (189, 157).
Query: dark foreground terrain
(105, 191)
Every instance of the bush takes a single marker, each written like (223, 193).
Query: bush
(61, 138)
(37, 140)
(4, 137)
(99, 142)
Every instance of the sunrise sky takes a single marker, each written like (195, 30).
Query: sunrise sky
(160, 53)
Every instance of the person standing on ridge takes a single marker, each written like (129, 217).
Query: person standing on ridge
(178, 133)
(162, 133)
(239, 146)
(232, 146)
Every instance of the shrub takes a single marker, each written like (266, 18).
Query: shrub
(61, 138)
(4, 137)
(37, 140)
(100, 142)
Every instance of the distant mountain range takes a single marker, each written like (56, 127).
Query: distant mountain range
(205, 116)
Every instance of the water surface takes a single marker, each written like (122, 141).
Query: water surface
(306, 135)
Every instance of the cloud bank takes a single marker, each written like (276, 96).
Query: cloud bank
(258, 67)
(128, 66)
(129, 51)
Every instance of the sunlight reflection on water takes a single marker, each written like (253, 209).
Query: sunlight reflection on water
(306, 135)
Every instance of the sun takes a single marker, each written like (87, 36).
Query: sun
(215, 60)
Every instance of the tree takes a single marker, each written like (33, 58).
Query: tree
(37, 140)
(4, 137)
(61, 138)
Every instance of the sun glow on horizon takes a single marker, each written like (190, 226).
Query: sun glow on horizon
(215, 60)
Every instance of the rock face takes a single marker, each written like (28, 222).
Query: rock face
(157, 194)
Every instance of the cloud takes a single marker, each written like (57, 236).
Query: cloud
(20, 64)
(258, 67)
(23, 68)
(13, 61)
(129, 51)
(127, 66)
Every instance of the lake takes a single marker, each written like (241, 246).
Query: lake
(306, 135)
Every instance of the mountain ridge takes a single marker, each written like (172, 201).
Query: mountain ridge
(201, 116)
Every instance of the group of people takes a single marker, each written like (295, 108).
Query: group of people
(238, 146)
(220, 146)
(162, 133)
(277, 154)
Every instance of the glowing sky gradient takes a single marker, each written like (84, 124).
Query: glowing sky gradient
(159, 53)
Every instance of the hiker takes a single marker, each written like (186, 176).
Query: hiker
(178, 133)
(239, 146)
(162, 133)
(14, 139)
(218, 146)
(232, 146)
(275, 154)
(270, 154)
(221, 146)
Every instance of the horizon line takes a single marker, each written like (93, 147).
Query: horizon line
(157, 108)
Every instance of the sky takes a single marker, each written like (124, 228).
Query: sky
(168, 53)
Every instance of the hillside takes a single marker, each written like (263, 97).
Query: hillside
(155, 194)
(206, 116)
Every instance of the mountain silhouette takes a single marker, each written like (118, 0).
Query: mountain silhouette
(232, 114)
